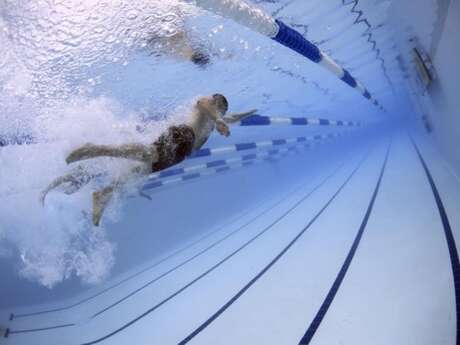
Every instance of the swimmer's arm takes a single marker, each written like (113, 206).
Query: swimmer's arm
(216, 116)
(235, 117)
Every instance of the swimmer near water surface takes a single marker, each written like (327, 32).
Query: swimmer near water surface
(181, 47)
(172, 147)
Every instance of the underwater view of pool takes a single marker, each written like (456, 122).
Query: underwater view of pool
(229, 172)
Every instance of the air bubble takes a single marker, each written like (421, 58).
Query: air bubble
(169, 18)
(110, 39)
(131, 15)
(99, 29)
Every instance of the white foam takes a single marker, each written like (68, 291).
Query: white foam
(53, 52)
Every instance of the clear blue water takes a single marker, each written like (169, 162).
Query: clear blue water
(83, 71)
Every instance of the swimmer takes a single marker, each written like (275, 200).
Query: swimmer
(180, 46)
(172, 147)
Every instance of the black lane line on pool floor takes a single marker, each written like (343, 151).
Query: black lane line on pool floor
(14, 316)
(314, 325)
(9, 331)
(454, 260)
(271, 263)
(214, 244)
(284, 198)
(225, 259)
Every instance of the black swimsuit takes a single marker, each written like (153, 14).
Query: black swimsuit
(173, 146)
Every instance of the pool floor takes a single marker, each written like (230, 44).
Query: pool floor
(363, 253)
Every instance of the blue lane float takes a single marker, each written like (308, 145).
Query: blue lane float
(256, 19)
(270, 156)
(183, 174)
(240, 161)
(258, 120)
(294, 40)
(206, 152)
(176, 171)
(244, 161)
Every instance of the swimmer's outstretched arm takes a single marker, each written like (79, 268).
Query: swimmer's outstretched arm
(137, 152)
(235, 117)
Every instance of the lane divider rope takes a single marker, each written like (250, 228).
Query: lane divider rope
(256, 19)
(240, 162)
(258, 120)
(175, 171)
(260, 144)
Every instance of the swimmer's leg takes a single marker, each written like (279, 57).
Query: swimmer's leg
(102, 197)
(100, 200)
(76, 179)
(137, 152)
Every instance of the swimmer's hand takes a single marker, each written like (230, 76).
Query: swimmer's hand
(235, 117)
(222, 128)
(43, 197)
(248, 113)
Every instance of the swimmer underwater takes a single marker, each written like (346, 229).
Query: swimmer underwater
(171, 148)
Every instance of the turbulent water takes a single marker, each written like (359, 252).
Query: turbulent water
(76, 71)
(83, 71)
(55, 54)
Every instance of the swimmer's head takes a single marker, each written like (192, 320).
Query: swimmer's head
(200, 58)
(221, 102)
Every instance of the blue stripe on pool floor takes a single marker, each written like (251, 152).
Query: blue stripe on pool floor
(453, 253)
(314, 325)
(9, 331)
(14, 316)
(225, 259)
(266, 268)
(201, 252)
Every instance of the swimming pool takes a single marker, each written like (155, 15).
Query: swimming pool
(329, 217)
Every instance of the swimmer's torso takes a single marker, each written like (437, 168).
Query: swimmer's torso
(180, 141)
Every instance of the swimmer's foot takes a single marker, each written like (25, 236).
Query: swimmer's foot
(84, 152)
(100, 200)
(145, 195)
(42, 197)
